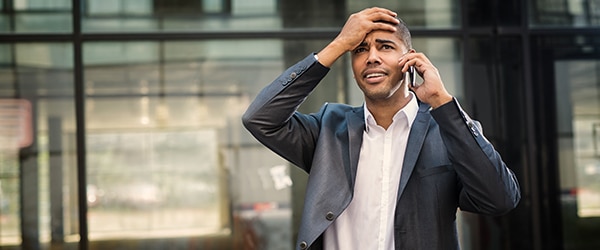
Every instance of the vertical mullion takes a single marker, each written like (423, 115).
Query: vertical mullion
(80, 123)
(464, 44)
(10, 10)
(530, 129)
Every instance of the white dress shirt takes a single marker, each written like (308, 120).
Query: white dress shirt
(368, 222)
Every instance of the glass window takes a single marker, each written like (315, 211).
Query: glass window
(4, 18)
(255, 15)
(39, 16)
(185, 15)
(7, 71)
(153, 137)
(565, 13)
(167, 154)
(37, 113)
(578, 120)
(418, 14)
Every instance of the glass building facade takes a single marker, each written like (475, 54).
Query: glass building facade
(120, 119)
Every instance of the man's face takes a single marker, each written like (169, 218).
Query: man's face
(375, 65)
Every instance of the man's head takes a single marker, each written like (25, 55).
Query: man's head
(375, 62)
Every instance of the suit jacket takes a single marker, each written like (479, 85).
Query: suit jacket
(449, 164)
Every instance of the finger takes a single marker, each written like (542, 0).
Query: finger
(383, 18)
(376, 13)
(380, 10)
(383, 27)
(403, 64)
(407, 60)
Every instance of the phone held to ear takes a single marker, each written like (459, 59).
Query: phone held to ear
(412, 76)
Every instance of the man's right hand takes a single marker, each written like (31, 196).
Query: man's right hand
(355, 30)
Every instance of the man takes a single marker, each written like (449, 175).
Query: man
(391, 173)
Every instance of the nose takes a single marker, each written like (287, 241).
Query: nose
(373, 57)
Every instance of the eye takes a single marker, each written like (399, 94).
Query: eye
(359, 50)
(386, 46)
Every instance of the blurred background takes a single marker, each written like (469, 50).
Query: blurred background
(120, 119)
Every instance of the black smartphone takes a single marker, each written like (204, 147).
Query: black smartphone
(412, 76)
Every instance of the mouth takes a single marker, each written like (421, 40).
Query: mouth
(374, 76)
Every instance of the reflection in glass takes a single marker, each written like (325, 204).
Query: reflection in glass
(582, 106)
(253, 15)
(164, 138)
(422, 14)
(36, 97)
(40, 16)
(569, 13)
(153, 182)
(147, 15)
(578, 119)
(15, 115)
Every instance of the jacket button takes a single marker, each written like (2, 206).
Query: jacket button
(293, 75)
(473, 129)
(329, 216)
(303, 245)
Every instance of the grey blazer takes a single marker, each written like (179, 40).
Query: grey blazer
(449, 164)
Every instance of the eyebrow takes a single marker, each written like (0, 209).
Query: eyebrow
(384, 41)
(377, 40)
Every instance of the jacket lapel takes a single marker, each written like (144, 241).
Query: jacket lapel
(356, 126)
(416, 138)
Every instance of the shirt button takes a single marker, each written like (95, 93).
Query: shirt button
(329, 216)
(303, 245)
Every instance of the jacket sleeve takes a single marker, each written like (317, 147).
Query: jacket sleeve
(488, 185)
(272, 117)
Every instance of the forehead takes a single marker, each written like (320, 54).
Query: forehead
(380, 35)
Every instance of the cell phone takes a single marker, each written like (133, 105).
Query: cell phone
(412, 76)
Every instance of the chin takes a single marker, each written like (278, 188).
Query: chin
(378, 95)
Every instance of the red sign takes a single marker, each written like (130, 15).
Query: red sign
(15, 123)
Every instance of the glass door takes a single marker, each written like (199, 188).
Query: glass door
(577, 83)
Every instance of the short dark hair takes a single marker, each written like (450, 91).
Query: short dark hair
(402, 32)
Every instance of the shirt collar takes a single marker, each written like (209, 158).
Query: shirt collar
(410, 111)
